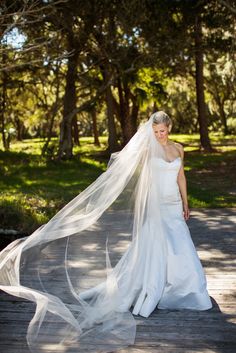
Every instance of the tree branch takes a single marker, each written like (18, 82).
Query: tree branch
(228, 6)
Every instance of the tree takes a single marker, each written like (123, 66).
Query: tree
(199, 76)
(180, 34)
(220, 81)
(103, 49)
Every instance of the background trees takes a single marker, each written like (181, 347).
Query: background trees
(72, 67)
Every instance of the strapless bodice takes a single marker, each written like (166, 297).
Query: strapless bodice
(164, 179)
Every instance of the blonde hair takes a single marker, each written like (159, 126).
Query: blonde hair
(162, 118)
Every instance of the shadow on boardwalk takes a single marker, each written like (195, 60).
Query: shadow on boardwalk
(175, 331)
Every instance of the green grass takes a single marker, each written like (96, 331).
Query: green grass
(33, 189)
(211, 178)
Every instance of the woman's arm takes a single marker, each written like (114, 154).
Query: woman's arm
(181, 180)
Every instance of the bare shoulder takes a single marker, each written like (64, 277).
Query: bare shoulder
(179, 146)
(180, 149)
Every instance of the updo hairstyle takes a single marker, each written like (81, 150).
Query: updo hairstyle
(162, 118)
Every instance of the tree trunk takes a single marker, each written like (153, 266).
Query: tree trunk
(66, 145)
(3, 104)
(75, 131)
(121, 105)
(95, 128)
(134, 113)
(223, 119)
(69, 101)
(127, 125)
(112, 135)
(51, 117)
(202, 118)
(53, 111)
(19, 128)
(155, 107)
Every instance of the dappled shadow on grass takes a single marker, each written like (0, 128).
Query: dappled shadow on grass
(19, 216)
(46, 178)
(33, 189)
(210, 179)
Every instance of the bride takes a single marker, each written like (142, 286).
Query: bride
(121, 248)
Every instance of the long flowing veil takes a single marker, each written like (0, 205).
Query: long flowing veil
(78, 268)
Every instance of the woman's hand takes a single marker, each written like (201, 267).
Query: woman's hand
(186, 212)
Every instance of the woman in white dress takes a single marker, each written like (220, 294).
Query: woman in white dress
(183, 284)
(167, 272)
(142, 198)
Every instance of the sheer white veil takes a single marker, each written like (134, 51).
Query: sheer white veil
(71, 267)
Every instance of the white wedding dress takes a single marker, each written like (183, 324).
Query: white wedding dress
(155, 261)
(167, 272)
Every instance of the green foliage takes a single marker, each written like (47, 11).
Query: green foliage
(151, 87)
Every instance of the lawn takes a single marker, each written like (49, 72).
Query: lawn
(33, 189)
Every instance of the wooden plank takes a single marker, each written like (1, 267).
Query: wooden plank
(173, 331)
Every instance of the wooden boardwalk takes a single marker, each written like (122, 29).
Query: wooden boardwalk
(214, 234)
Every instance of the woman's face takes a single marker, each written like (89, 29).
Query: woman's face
(161, 131)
